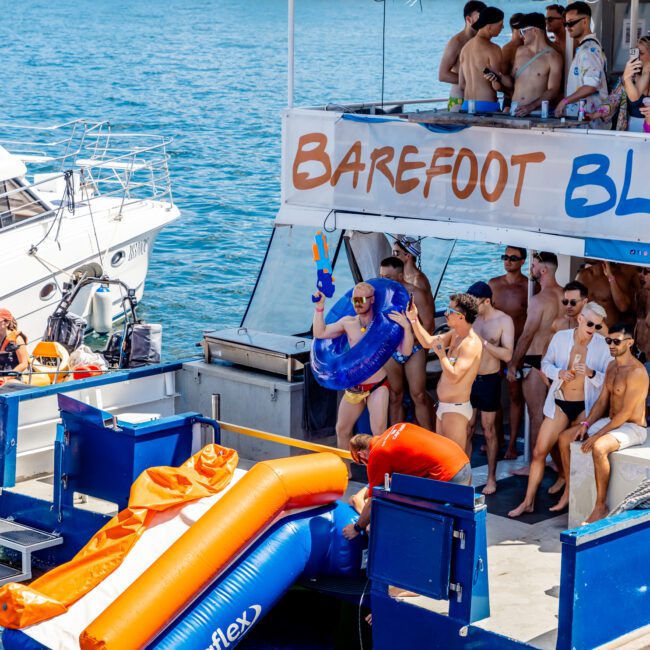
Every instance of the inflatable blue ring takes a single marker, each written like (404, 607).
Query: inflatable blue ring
(338, 366)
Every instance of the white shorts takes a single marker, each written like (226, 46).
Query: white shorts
(628, 434)
(463, 408)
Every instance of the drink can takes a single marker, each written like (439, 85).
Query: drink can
(545, 110)
(513, 108)
(581, 110)
(471, 106)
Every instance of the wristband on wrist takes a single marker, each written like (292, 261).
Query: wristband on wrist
(584, 423)
(322, 309)
(358, 528)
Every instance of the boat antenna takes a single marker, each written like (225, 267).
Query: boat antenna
(383, 52)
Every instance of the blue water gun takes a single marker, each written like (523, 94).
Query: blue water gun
(324, 280)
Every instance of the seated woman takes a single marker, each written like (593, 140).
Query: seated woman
(13, 350)
(629, 93)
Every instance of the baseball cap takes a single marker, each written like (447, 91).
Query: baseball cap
(489, 16)
(5, 314)
(480, 290)
(410, 245)
(533, 20)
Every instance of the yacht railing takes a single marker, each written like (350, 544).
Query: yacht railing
(79, 162)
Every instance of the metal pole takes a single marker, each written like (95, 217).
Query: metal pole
(634, 19)
(527, 449)
(291, 55)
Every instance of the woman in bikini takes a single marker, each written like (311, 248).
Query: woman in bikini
(575, 363)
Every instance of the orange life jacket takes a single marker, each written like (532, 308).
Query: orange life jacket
(9, 348)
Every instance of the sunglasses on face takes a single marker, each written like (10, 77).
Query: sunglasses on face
(610, 341)
(451, 310)
(357, 301)
(522, 32)
(644, 271)
(573, 23)
(573, 302)
(596, 326)
(550, 19)
(511, 258)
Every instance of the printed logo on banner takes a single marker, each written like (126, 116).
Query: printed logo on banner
(235, 631)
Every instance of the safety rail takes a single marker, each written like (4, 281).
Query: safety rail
(79, 162)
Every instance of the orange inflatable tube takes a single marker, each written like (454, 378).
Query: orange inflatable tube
(211, 544)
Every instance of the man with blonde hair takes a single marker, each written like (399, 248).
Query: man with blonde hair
(373, 392)
(575, 363)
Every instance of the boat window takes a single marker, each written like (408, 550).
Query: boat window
(17, 204)
(281, 302)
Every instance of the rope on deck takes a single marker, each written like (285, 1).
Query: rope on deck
(638, 499)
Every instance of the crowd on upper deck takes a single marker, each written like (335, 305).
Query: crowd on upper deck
(530, 71)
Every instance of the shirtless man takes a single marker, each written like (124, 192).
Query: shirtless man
(508, 54)
(497, 333)
(575, 362)
(477, 55)
(642, 329)
(575, 298)
(537, 68)
(555, 26)
(409, 250)
(459, 351)
(624, 395)
(415, 365)
(448, 71)
(510, 294)
(610, 285)
(373, 392)
(543, 309)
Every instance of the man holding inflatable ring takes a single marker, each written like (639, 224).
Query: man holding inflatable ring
(373, 392)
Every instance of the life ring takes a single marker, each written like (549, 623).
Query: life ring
(338, 366)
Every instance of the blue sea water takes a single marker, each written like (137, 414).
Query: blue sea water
(212, 74)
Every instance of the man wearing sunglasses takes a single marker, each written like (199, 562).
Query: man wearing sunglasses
(537, 67)
(555, 27)
(409, 251)
(543, 308)
(411, 367)
(373, 392)
(459, 351)
(497, 332)
(617, 420)
(610, 285)
(587, 78)
(575, 298)
(575, 363)
(510, 295)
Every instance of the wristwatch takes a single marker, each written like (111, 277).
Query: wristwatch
(593, 374)
(358, 528)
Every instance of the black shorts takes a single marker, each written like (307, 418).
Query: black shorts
(571, 409)
(533, 361)
(486, 392)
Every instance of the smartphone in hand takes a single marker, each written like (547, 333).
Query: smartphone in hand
(634, 53)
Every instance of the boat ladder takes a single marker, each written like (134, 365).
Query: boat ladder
(25, 540)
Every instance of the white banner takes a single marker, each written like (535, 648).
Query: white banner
(579, 184)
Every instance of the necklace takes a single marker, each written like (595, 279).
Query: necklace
(363, 327)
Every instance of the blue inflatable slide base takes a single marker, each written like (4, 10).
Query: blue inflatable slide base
(308, 544)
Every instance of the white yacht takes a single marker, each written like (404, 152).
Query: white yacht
(77, 200)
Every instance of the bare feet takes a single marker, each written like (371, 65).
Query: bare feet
(522, 471)
(490, 486)
(398, 592)
(511, 454)
(557, 486)
(599, 512)
(522, 508)
(562, 504)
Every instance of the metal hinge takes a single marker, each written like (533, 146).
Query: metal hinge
(460, 534)
(458, 588)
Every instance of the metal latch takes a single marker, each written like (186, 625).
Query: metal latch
(460, 534)
(458, 588)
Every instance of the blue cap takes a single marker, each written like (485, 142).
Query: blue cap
(480, 290)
